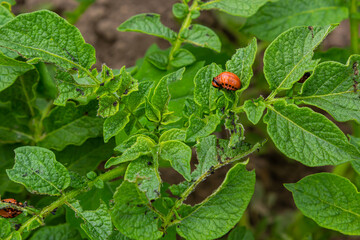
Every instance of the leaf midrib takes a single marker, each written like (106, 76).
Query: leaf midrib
(295, 124)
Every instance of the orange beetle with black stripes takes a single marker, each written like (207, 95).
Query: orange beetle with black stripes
(10, 212)
(227, 80)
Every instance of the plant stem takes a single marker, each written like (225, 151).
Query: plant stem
(354, 35)
(186, 23)
(109, 175)
(192, 187)
(354, 30)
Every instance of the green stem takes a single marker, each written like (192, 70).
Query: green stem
(27, 96)
(186, 23)
(109, 175)
(192, 187)
(354, 30)
(354, 35)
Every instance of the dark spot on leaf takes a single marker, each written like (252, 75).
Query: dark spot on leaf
(112, 79)
(75, 69)
(149, 163)
(207, 35)
(139, 205)
(24, 175)
(102, 84)
(155, 217)
(107, 72)
(86, 113)
(53, 212)
(150, 15)
(152, 200)
(115, 104)
(126, 91)
(37, 171)
(17, 226)
(190, 27)
(78, 90)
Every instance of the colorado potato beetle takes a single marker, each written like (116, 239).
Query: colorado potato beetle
(10, 212)
(227, 80)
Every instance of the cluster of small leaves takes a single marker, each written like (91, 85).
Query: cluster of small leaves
(155, 114)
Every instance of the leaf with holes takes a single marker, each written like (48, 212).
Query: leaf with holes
(330, 87)
(289, 56)
(145, 174)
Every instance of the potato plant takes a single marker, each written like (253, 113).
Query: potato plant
(60, 118)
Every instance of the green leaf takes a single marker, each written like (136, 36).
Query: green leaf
(11, 130)
(206, 152)
(10, 70)
(182, 57)
(71, 125)
(288, 57)
(242, 8)
(333, 54)
(330, 87)
(307, 136)
(151, 112)
(148, 23)
(68, 88)
(37, 169)
(132, 215)
(5, 228)
(65, 48)
(172, 134)
(240, 233)
(21, 95)
(254, 109)
(108, 106)
(355, 141)
(59, 232)
(11, 2)
(142, 146)
(110, 86)
(159, 59)
(87, 157)
(161, 96)
(179, 156)
(97, 223)
(241, 63)
(144, 173)
(128, 83)
(205, 94)
(180, 10)
(201, 127)
(136, 98)
(201, 36)
(114, 124)
(279, 16)
(331, 201)
(223, 209)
